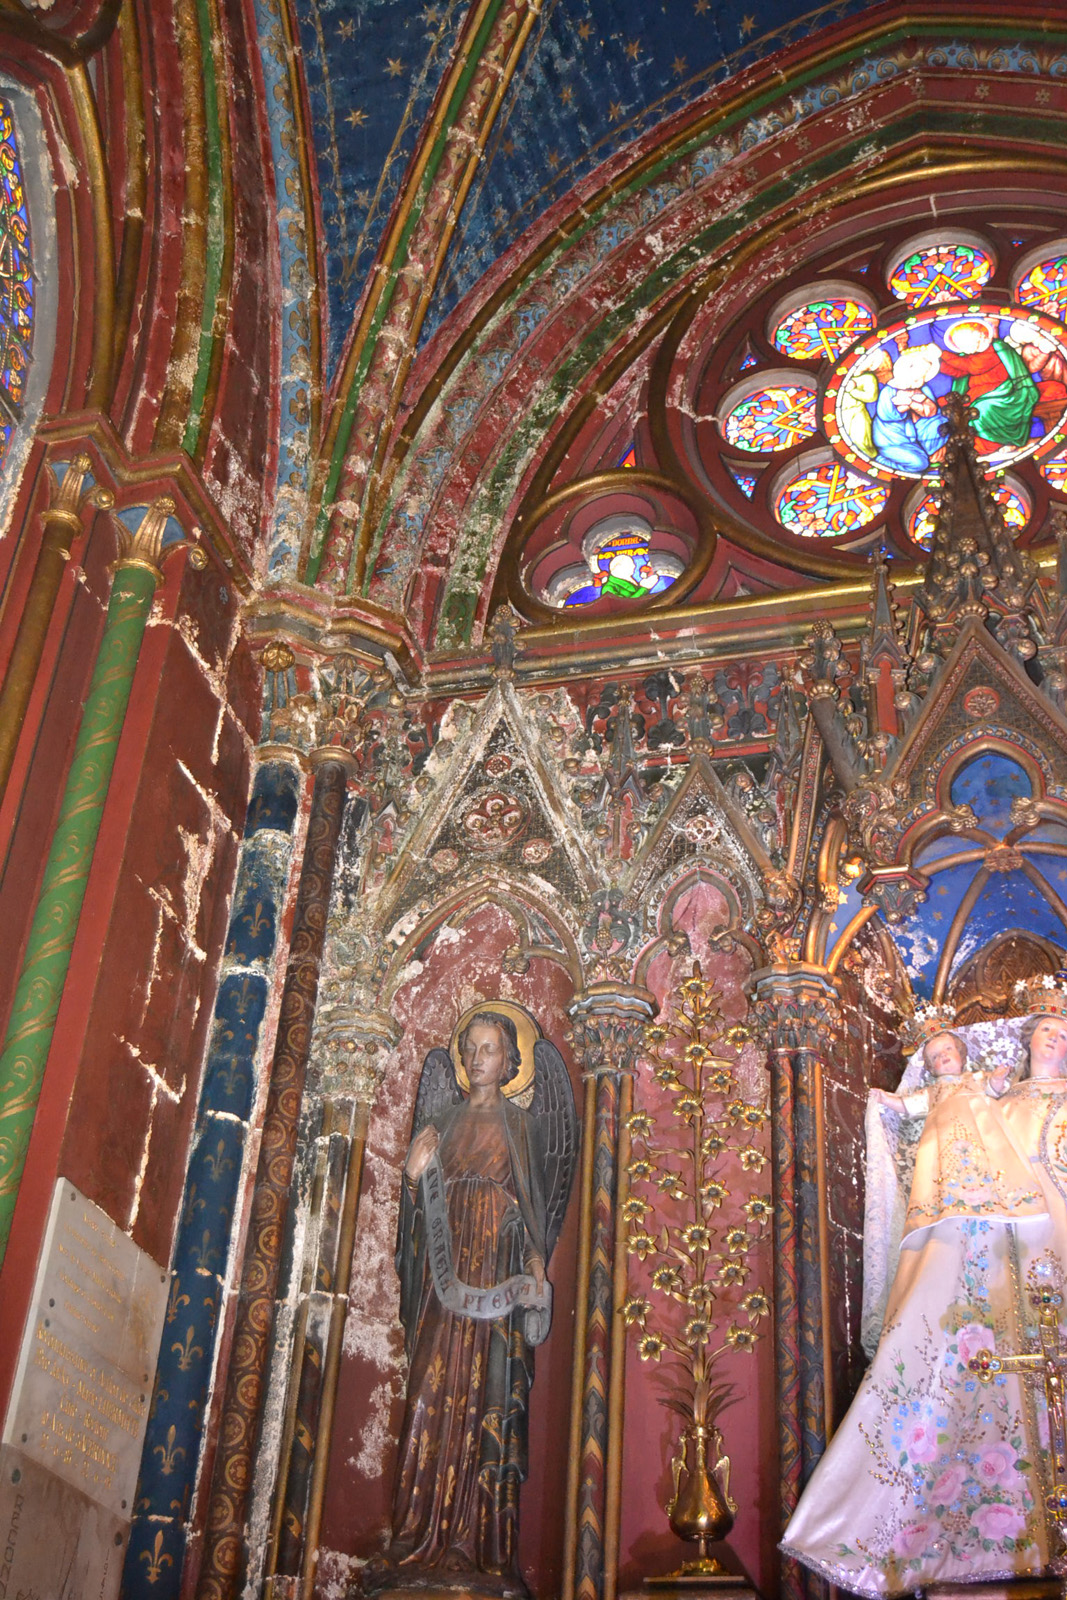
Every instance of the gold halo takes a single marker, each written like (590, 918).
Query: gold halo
(527, 1032)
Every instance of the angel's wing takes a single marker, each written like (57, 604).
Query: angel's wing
(552, 1107)
(437, 1089)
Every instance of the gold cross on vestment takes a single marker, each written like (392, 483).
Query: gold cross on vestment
(1048, 1366)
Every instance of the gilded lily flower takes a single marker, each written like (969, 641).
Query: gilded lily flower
(694, 988)
(740, 1338)
(712, 1145)
(753, 1160)
(736, 1241)
(670, 1183)
(714, 1193)
(686, 1106)
(656, 1033)
(756, 1304)
(650, 1347)
(666, 1075)
(720, 1081)
(668, 1280)
(696, 1237)
(732, 1273)
(737, 1035)
(697, 1331)
(736, 1110)
(640, 1169)
(635, 1309)
(758, 1207)
(697, 1053)
(641, 1244)
(701, 1294)
(640, 1123)
(635, 1209)
(754, 1116)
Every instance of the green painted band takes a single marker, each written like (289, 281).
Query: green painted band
(59, 902)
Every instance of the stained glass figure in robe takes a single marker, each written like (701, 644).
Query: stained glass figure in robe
(626, 567)
(884, 405)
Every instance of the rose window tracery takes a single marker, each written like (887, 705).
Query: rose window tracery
(884, 341)
(811, 415)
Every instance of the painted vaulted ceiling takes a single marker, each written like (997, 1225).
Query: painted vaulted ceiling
(593, 76)
(505, 226)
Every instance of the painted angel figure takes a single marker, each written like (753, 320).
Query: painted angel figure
(486, 1183)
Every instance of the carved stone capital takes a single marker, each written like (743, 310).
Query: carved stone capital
(354, 1046)
(795, 1006)
(608, 1023)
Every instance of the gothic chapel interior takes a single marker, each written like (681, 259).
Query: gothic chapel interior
(533, 554)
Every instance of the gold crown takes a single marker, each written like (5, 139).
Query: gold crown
(1045, 995)
(926, 1022)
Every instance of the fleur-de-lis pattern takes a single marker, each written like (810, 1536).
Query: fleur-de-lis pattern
(255, 1308)
(187, 1354)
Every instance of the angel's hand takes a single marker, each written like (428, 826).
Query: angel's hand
(537, 1267)
(423, 1147)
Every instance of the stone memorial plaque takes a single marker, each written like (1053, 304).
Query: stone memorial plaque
(84, 1379)
(55, 1542)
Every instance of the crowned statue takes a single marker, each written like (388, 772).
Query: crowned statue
(486, 1183)
(934, 1476)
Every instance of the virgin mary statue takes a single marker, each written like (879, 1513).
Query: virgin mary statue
(933, 1477)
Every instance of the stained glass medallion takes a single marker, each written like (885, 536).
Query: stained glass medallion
(16, 279)
(937, 274)
(1044, 285)
(825, 499)
(1011, 497)
(1054, 472)
(621, 560)
(883, 409)
(776, 415)
(822, 329)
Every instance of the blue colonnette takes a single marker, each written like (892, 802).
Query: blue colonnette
(190, 1331)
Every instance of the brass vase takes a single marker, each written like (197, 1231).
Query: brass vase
(701, 1510)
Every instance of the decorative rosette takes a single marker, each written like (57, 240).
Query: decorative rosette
(925, 1023)
(1043, 996)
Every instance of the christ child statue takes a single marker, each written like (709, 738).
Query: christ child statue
(966, 1163)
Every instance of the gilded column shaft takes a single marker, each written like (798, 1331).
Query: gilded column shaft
(62, 524)
(786, 1299)
(59, 903)
(598, 1317)
(810, 1265)
(224, 1540)
(797, 1014)
(609, 1022)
